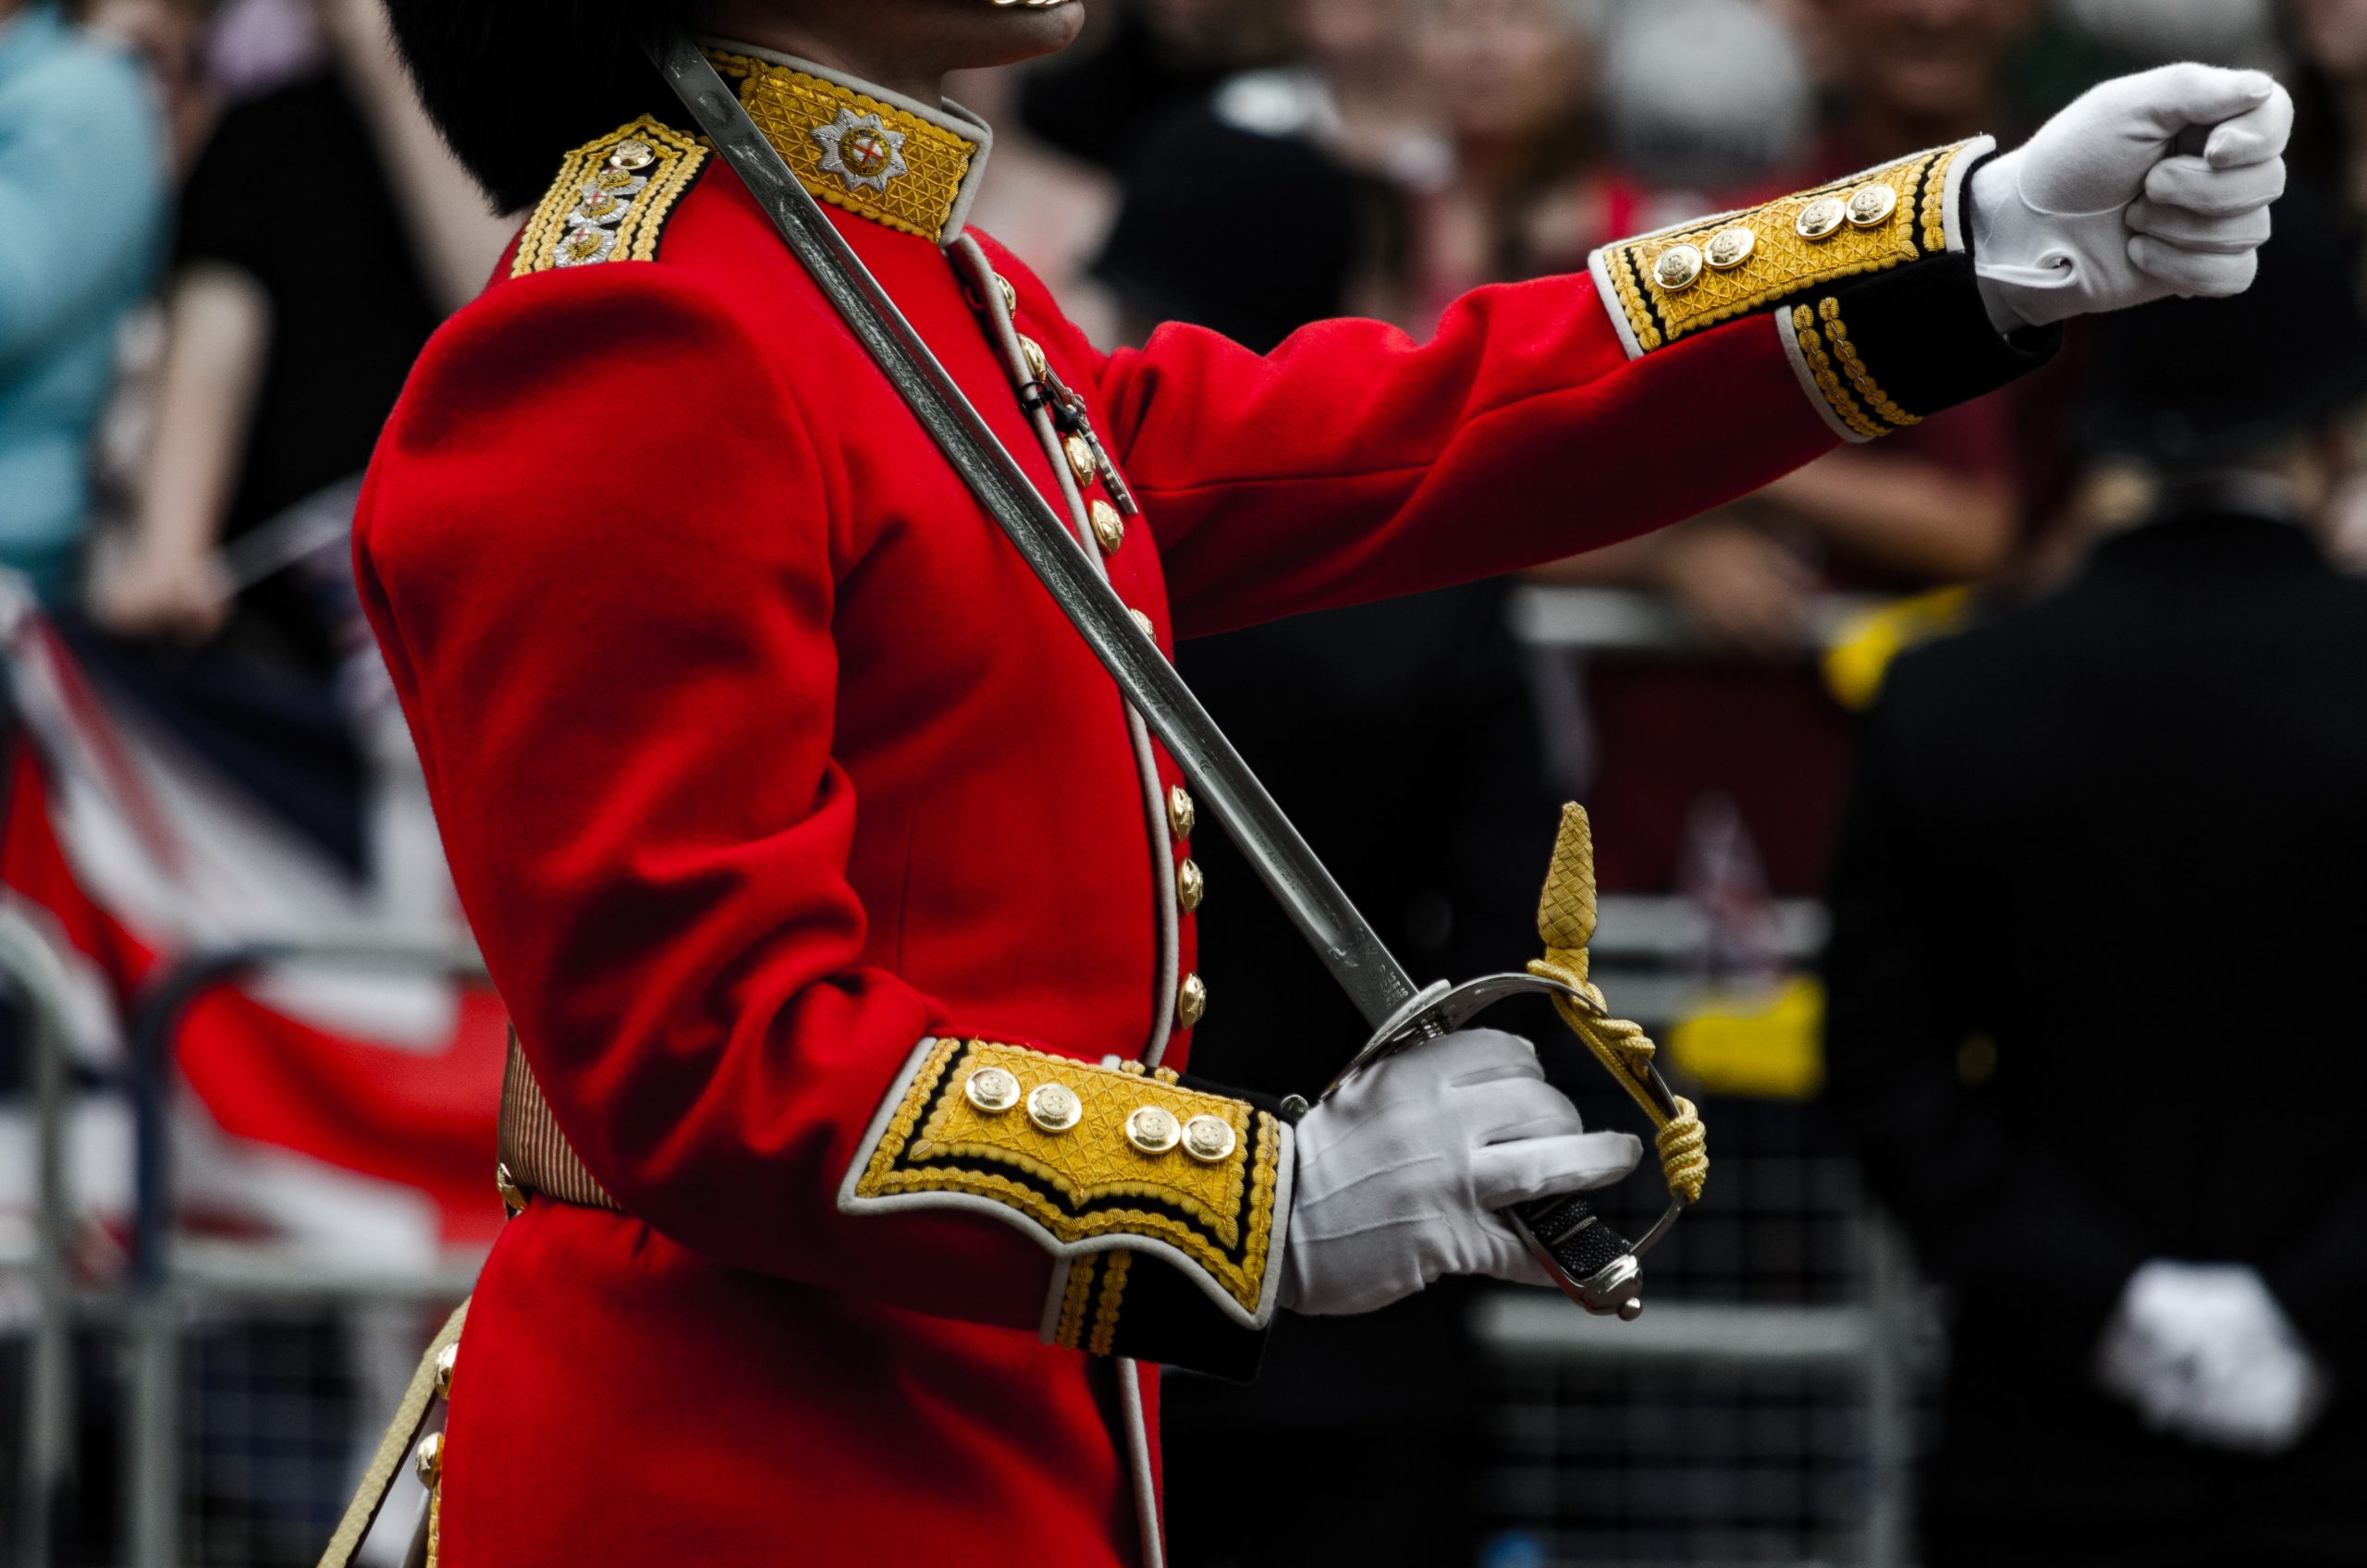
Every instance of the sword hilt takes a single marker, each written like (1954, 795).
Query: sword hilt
(1589, 1261)
(1594, 1264)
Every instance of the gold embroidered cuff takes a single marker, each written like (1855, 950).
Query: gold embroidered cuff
(1662, 286)
(611, 199)
(1086, 1154)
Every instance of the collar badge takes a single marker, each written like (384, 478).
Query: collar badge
(861, 150)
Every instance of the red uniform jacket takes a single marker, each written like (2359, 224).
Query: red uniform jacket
(765, 766)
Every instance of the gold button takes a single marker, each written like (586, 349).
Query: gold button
(429, 1458)
(1182, 815)
(513, 1196)
(1678, 269)
(1190, 887)
(632, 156)
(1821, 218)
(1081, 462)
(1010, 295)
(1191, 1001)
(1055, 1108)
(1729, 248)
(1153, 1130)
(1144, 622)
(1108, 526)
(1871, 205)
(1209, 1139)
(1033, 352)
(992, 1089)
(446, 1360)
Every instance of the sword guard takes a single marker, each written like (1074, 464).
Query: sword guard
(1590, 1261)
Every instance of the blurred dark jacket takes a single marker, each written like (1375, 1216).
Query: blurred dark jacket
(2098, 914)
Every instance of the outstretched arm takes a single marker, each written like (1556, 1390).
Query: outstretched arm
(1686, 367)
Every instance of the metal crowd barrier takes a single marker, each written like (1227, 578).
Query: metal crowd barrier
(1872, 1343)
(1869, 1340)
(1623, 621)
(45, 1447)
(169, 1275)
(144, 1311)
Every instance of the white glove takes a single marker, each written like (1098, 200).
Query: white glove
(1401, 1173)
(2146, 186)
(2203, 1350)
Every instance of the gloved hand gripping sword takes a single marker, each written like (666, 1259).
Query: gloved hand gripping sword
(1593, 1263)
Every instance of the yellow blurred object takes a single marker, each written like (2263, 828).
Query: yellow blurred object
(1771, 1050)
(1862, 649)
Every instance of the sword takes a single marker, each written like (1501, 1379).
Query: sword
(1591, 1262)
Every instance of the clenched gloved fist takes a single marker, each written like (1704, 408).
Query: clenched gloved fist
(2148, 185)
(1400, 1172)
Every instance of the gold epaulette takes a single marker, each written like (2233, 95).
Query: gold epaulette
(1089, 1155)
(611, 199)
(1699, 273)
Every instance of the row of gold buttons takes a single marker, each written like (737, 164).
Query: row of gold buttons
(1681, 266)
(1182, 816)
(429, 1456)
(1055, 1108)
(1109, 526)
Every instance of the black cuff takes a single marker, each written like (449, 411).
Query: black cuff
(1135, 1304)
(1889, 350)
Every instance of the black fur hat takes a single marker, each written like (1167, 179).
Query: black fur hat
(513, 84)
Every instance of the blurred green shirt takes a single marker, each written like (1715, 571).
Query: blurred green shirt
(82, 212)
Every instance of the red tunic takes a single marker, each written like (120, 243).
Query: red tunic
(761, 759)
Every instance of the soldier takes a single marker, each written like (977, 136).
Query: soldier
(846, 912)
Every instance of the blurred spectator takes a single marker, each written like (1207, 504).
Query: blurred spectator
(1686, 746)
(1052, 210)
(2094, 923)
(2330, 138)
(1512, 81)
(1703, 97)
(1904, 74)
(168, 36)
(2330, 157)
(83, 183)
(2153, 33)
(1339, 130)
(1098, 100)
(325, 232)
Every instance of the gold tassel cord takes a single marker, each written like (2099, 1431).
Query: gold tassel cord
(1566, 922)
(394, 1448)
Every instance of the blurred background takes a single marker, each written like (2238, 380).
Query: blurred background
(1975, 810)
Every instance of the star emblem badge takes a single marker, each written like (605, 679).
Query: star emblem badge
(861, 151)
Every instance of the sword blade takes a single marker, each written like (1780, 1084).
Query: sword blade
(1341, 938)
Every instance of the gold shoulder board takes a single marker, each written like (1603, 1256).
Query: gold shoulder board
(611, 201)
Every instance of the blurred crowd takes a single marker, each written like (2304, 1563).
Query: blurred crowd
(229, 229)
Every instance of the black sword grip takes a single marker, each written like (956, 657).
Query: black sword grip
(1566, 1227)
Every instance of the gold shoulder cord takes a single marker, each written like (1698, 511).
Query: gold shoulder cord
(1565, 921)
